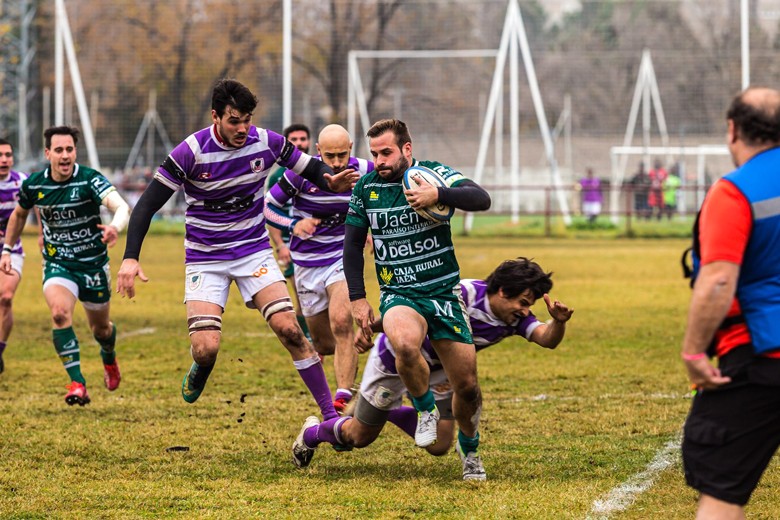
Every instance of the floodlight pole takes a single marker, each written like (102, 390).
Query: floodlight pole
(287, 63)
(745, 30)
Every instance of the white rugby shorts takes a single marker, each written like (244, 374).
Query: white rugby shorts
(210, 281)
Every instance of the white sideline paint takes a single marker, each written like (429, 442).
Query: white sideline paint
(622, 496)
(131, 333)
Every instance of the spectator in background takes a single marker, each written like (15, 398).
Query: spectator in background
(671, 189)
(592, 198)
(640, 185)
(655, 197)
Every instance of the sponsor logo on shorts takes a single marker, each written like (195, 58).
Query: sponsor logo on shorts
(194, 281)
(383, 397)
(261, 271)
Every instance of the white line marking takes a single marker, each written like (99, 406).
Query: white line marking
(622, 496)
(131, 333)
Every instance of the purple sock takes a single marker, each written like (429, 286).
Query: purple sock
(314, 376)
(324, 432)
(405, 418)
(2, 347)
(343, 394)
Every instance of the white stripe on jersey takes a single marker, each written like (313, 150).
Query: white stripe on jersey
(11, 204)
(191, 201)
(297, 255)
(225, 226)
(159, 177)
(221, 247)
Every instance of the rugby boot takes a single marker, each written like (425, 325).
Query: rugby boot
(77, 394)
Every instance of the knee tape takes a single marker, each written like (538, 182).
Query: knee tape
(280, 305)
(200, 323)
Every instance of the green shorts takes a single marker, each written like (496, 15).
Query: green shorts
(445, 313)
(88, 284)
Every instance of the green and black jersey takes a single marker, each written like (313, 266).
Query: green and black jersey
(70, 214)
(413, 256)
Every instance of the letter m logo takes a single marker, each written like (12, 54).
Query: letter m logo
(446, 310)
(93, 281)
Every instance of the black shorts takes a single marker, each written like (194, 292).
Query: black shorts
(729, 439)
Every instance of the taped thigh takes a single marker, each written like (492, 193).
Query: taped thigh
(204, 322)
(280, 305)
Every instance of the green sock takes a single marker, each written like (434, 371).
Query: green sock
(304, 327)
(424, 403)
(468, 444)
(107, 352)
(67, 347)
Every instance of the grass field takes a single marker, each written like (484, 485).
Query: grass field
(561, 429)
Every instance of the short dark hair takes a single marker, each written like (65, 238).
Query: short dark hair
(756, 124)
(296, 127)
(6, 141)
(398, 127)
(60, 130)
(514, 277)
(231, 92)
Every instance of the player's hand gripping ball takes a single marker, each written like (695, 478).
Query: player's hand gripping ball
(437, 212)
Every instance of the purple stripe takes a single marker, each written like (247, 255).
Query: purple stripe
(387, 357)
(220, 255)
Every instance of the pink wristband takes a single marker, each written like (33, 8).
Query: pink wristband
(693, 357)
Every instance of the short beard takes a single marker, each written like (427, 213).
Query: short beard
(398, 171)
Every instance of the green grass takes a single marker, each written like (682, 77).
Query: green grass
(560, 428)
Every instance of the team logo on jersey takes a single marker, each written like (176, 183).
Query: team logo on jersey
(385, 275)
(194, 281)
(383, 397)
(204, 176)
(74, 194)
(257, 165)
(373, 196)
(50, 250)
(40, 195)
(313, 189)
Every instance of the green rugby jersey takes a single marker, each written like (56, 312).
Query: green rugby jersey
(70, 214)
(413, 256)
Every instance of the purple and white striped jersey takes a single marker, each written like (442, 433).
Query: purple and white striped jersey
(326, 245)
(9, 194)
(486, 328)
(223, 188)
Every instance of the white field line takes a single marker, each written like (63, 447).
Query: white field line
(622, 496)
(131, 333)
(547, 397)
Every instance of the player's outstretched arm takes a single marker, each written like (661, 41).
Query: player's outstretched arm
(551, 333)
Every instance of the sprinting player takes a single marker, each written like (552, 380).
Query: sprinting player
(75, 258)
(418, 277)
(498, 307)
(317, 226)
(733, 428)
(10, 182)
(298, 134)
(222, 170)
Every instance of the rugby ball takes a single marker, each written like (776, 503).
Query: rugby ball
(437, 212)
